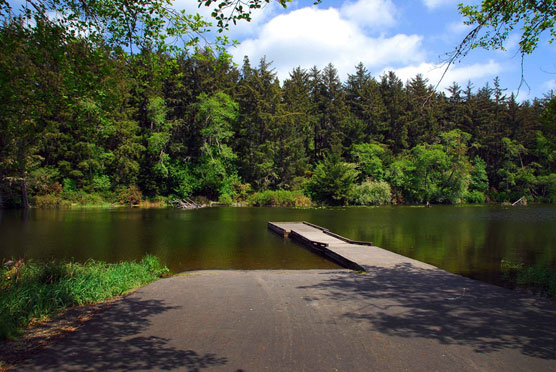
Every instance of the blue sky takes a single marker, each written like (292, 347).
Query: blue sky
(405, 36)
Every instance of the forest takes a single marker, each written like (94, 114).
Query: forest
(87, 121)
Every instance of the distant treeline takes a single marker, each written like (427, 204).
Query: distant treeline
(82, 121)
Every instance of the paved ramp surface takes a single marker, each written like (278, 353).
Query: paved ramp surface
(399, 318)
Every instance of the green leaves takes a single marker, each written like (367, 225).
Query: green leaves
(494, 20)
(333, 180)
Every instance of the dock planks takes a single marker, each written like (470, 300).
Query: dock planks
(354, 255)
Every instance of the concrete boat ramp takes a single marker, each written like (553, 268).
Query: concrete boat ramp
(396, 315)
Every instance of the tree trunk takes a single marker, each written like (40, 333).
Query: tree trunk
(21, 161)
(24, 198)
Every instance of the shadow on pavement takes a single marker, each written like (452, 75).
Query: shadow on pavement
(407, 301)
(112, 341)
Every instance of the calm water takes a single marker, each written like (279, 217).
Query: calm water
(464, 240)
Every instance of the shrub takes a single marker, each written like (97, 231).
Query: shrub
(49, 201)
(130, 195)
(84, 198)
(539, 277)
(333, 180)
(279, 198)
(240, 191)
(101, 183)
(371, 193)
(225, 199)
(475, 197)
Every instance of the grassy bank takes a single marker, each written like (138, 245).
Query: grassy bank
(36, 291)
(539, 279)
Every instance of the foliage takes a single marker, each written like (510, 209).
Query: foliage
(129, 195)
(31, 290)
(332, 181)
(371, 193)
(474, 197)
(479, 177)
(85, 118)
(279, 198)
(47, 201)
(547, 188)
(498, 18)
(138, 25)
(101, 183)
(182, 181)
(369, 158)
(225, 199)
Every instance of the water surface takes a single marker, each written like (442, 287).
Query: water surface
(466, 240)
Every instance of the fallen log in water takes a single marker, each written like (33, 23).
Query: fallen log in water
(520, 201)
(185, 204)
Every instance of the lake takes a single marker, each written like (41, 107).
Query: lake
(467, 240)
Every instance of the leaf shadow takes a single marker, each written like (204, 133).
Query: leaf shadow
(408, 301)
(113, 342)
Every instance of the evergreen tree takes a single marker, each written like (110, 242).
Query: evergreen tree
(394, 97)
(365, 104)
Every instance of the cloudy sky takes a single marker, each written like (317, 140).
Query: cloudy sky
(406, 36)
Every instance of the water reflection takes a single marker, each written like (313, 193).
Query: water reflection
(464, 240)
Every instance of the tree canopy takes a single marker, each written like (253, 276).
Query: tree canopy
(84, 118)
(494, 20)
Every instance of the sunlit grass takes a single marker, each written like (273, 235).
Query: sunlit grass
(36, 291)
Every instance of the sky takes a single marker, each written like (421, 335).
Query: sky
(405, 36)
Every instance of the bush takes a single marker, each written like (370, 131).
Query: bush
(541, 278)
(240, 191)
(333, 180)
(279, 198)
(225, 199)
(69, 185)
(129, 195)
(371, 193)
(101, 183)
(84, 198)
(547, 186)
(475, 197)
(47, 201)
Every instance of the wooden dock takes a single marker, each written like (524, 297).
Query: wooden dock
(352, 254)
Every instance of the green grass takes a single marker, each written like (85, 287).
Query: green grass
(36, 291)
(542, 279)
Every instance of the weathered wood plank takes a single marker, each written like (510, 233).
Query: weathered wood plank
(352, 254)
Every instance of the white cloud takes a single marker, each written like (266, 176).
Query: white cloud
(458, 74)
(371, 14)
(458, 28)
(312, 36)
(258, 19)
(512, 42)
(549, 85)
(242, 28)
(433, 4)
(521, 94)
